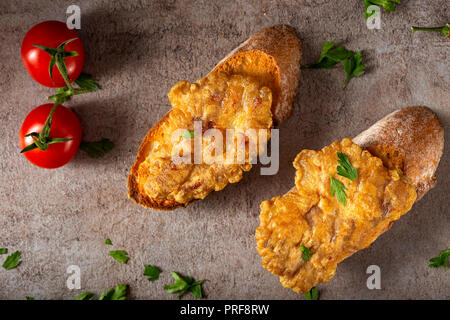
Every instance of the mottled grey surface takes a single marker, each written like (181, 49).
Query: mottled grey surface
(137, 50)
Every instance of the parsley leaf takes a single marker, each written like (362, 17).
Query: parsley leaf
(441, 260)
(188, 134)
(331, 56)
(388, 5)
(151, 272)
(85, 81)
(29, 298)
(108, 242)
(353, 67)
(119, 255)
(313, 294)
(3, 250)
(85, 296)
(12, 261)
(184, 284)
(306, 253)
(338, 189)
(345, 169)
(97, 149)
(117, 293)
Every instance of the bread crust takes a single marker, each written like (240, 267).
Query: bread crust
(273, 56)
(283, 50)
(410, 139)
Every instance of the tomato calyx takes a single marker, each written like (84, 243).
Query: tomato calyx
(84, 81)
(445, 30)
(42, 140)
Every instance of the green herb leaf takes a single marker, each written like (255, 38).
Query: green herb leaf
(3, 250)
(108, 241)
(119, 255)
(97, 149)
(441, 260)
(184, 284)
(151, 272)
(29, 298)
(338, 189)
(353, 67)
(85, 81)
(188, 134)
(345, 169)
(313, 294)
(388, 5)
(331, 56)
(85, 296)
(117, 293)
(306, 253)
(12, 261)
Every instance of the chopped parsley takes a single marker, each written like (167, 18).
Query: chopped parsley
(3, 250)
(388, 5)
(119, 255)
(117, 293)
(306, 253)
(313, 294)
(108, 242)
(12, 261)
(441, 260)
(331, 56)
(185, 284)
(188, 134)
(151, 272)
(338, 190)
(345, 169)
(97, 149)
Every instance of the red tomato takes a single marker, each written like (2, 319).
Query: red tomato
(36, 61)
(65, 124)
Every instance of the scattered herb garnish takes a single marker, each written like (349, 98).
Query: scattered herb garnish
(188, 134)
(441, 260)
(97, 149)
(151, 272)
(184, 284)
(117, 293)
(85, 296)
(119, 255)
(445, 30)
(345, 169)
(313, 294)
(3, 250)
(338, 189)
(29, 298)
(306, 253)
(331, 56)
(108, 242)
(12, 261)
(388, 5)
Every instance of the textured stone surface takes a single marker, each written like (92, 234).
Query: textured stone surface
(137, 50)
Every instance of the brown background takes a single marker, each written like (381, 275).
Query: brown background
(137, 50)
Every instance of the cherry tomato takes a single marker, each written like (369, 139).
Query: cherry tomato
(65, 124)
(36, 61)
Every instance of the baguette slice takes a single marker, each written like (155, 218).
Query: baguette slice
(409, 141)
(273, 57)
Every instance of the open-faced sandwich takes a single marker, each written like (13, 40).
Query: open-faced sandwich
(252, 88)
(348, 194)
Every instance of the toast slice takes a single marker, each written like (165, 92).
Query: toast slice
(411, 140)
(272, 57)
(396, 160)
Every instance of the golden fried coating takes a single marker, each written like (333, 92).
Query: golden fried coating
(310, 216)
(218, 101)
